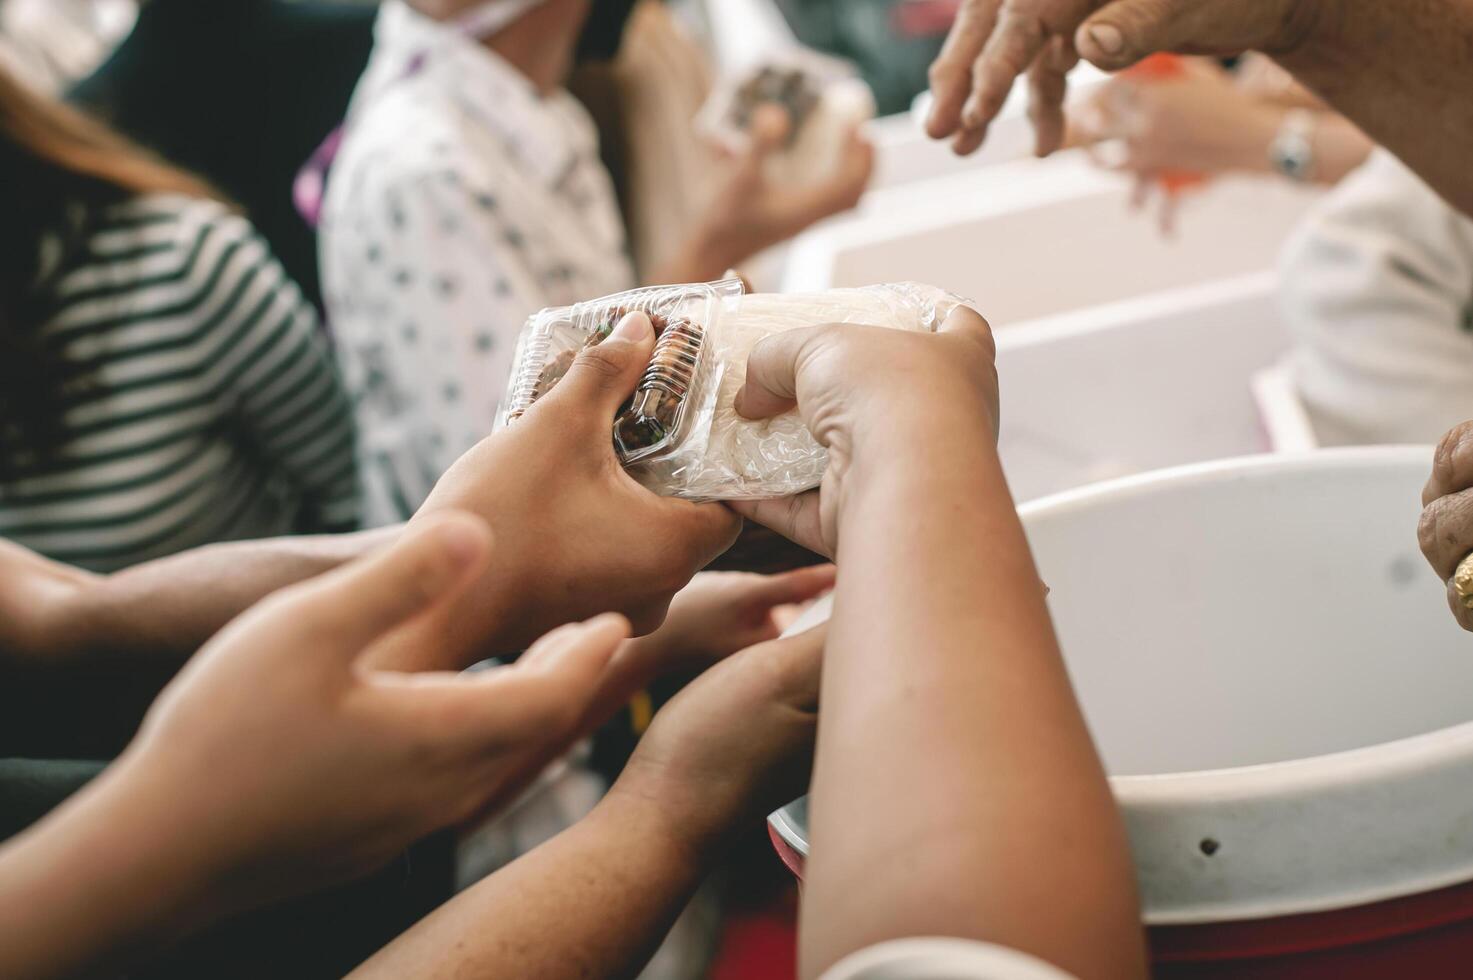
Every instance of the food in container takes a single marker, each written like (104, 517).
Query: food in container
(680, 433)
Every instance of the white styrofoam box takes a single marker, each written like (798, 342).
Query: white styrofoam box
(1286, 420)
(1037, 237)
(1264, 660)
(1151, 382)
(904, 153)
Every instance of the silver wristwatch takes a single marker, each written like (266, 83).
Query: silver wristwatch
(1292, 151)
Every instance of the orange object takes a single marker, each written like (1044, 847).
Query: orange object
(1165, 68)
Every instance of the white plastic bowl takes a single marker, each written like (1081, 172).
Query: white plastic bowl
(1267, 665)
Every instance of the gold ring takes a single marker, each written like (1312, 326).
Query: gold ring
(1463, 581)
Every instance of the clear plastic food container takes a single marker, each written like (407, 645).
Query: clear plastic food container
(680, 434)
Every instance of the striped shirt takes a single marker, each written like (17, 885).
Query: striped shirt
(209, 408)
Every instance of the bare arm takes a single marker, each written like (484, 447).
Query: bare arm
(82, 656)
(596, 900)
(956, 790)
(950, 725)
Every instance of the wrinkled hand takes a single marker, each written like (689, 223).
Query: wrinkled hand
(995, 41)
(278, 762)
(1446, 528)
(576, 535)
(734, 745)
(751, 212)
(856, 388)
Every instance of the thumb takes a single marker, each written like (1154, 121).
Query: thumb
(798, 585)
(1125, 31)
(771, 384)
(605, 375)
(348, 609)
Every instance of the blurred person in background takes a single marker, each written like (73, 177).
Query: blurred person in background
(468, 193)
(49, 44)
(239, 92)
(163, 384)
(1208, 119)
(1203, 120)
(1377, 288)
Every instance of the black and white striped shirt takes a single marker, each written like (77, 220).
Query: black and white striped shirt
(209, 407)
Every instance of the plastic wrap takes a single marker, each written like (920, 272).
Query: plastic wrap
(680, 434)
(824, 100)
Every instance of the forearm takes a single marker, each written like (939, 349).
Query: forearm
(595, 901)
(170, 607)
(101, 882)
(1400, 71)
(950, 725)
(120, 638)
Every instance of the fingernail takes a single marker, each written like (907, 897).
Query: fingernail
(1107, 38)
(634, 326)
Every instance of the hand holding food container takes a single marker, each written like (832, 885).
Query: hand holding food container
(684, 433)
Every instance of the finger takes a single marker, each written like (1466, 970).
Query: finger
(966, 323)
(1140, 190)
(769, 130)
(1125, 31)
(346, 610)
(1166, 218)
(1017, 40)
(795, 518)
(798, 585)
(603, 376)
(1452, 464)
(771, 384)
(968, 140)
(1445, 531)
(526, 703)
(792, 665)
(951, 72)
(704, 531)
(1047, 85)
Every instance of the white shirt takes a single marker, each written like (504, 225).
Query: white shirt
(934, 958)
(1377, 289)
(460, 202)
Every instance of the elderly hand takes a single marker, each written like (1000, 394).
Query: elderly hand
(576, 535)
(1446, 528)
(858, 390)
(995, 41)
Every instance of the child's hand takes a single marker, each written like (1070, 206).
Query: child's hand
(734, 745)
(720, 613)
(278, 761)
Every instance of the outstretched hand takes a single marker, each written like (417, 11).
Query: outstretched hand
(994, 42)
